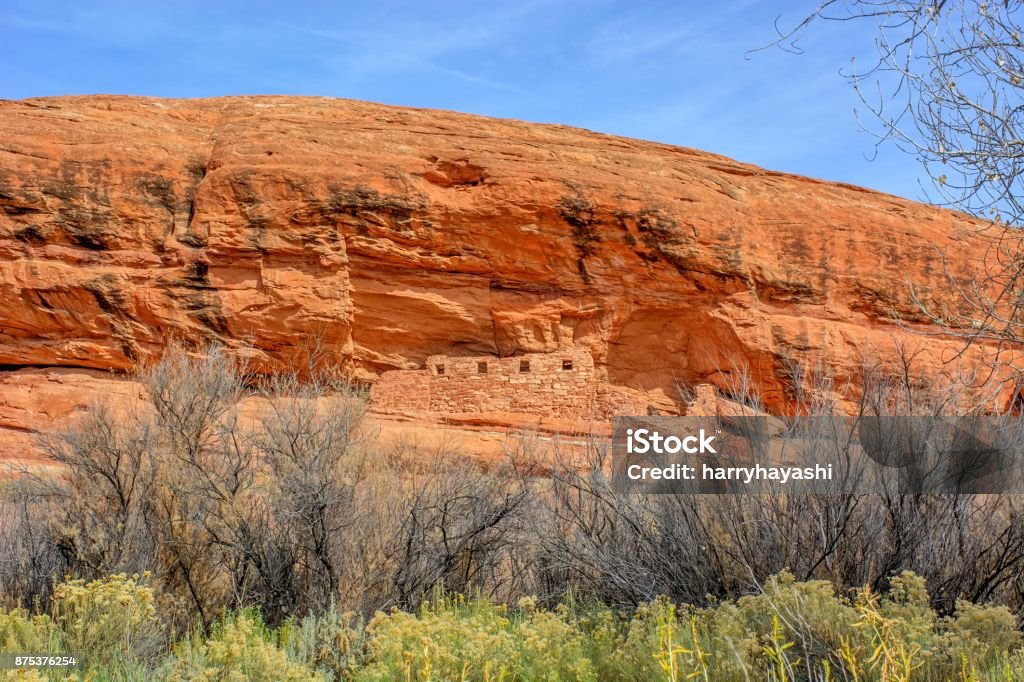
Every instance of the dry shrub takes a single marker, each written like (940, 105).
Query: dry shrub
(246, 494)
(628, 548)
(238, 490)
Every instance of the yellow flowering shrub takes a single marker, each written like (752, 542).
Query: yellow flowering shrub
(638, 641)
(238, 650)
(107, 619)
(552, 648)
(755, 629)
(619, 645)
(110, 623)
(451, 640)
(986, 629)
(976, 638)
(22, 632)
(790, 630)
(331, 642)
(21, 676)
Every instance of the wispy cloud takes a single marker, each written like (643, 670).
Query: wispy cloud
(414, 44)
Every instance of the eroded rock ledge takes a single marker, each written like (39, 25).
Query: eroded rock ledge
(393, 236)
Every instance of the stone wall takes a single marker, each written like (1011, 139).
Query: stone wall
(560, 384)
(402, 390)
(552, 384)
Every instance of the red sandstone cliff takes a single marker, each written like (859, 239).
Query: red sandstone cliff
(393, 235)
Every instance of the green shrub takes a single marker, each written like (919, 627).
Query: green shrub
(239, 649)
(551, 646)
(331, 643)
(110, 623)
(790, 630)
(108, 620)
(22, 632)
(450, 639)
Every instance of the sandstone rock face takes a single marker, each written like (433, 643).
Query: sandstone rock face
(387, 236)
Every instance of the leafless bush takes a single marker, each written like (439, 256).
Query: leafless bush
(461, 526)
(628, 547)
(620, 548)
(224, 508)
(314, 459)
(30, 564)
(235, 490)
(96, 514)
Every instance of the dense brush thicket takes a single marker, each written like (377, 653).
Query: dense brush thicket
(261, 509)
(789, 631)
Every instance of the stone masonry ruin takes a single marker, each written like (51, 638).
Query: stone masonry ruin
(561, 384)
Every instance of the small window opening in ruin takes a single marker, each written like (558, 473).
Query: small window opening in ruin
(524, 366)
(481, 368)
(440, 369)
(566, 364)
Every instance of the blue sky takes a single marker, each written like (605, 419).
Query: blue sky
(675, 71)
